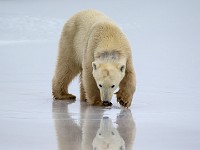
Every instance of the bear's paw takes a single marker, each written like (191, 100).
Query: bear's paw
(124, 98)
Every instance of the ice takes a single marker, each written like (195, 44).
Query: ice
(164, 36)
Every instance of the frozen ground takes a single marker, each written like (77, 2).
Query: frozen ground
(165, 114)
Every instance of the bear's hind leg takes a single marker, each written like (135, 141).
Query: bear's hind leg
(67, 66)
(61, 81)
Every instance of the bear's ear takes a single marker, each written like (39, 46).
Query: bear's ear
(94, 65)
(121, 67)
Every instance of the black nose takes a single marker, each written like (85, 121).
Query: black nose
(105, 117)
(107, 103)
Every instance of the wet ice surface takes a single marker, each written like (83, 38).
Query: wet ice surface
(165, 111)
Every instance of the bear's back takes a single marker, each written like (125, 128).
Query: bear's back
(92, 29)
(87, 18)
(84, 21)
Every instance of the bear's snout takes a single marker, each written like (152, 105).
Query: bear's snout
(107, 103)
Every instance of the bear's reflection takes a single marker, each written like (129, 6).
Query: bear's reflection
(68, 132)
(93, 131)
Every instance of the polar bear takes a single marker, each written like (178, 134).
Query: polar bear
(94, 46)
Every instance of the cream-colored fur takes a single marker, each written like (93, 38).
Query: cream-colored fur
(90, 37)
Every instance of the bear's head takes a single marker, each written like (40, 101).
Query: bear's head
(108, 76)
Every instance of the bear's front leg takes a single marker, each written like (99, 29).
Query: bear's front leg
(93, 95)
(91, 90)
(126, 88)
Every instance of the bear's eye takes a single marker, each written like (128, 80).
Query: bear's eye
(100, 85)
(112, 86)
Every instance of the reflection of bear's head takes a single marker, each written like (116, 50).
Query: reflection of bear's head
(108, 75)
(107, 137)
